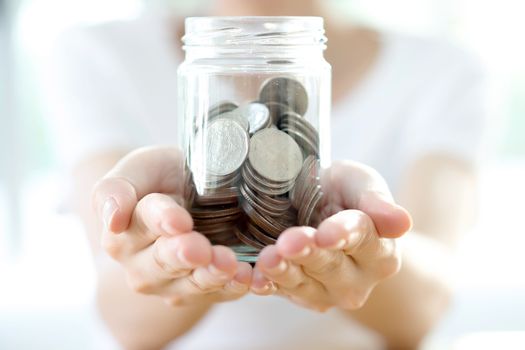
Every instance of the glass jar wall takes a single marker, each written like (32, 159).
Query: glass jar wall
(254, 97)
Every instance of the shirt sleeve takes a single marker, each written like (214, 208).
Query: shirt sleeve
(89, 104)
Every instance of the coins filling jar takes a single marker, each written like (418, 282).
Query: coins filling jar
(254, 107)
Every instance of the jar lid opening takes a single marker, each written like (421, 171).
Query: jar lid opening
(254, 31)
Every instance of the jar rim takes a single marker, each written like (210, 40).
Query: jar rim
(254, 31)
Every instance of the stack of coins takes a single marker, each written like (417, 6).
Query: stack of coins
(254, 169)
(301, 130)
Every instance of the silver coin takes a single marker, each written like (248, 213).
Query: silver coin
(275, 155)
(287, 91)
(309, 196)
(267, 203)
(312, 205)
(220, 149)
(221, 107)
(256, 205)
(277, 110)
(309, 146)
(310, 169)
(238, 116)
(294, 119)
(263, 187)
(258, 116)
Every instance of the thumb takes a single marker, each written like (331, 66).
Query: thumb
(391, 220)
(114, 200)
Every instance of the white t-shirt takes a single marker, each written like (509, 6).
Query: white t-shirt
(114, 86)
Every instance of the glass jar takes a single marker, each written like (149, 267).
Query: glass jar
(254, 99)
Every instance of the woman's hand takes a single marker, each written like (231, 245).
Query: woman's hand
(151, 236)
(351, 251)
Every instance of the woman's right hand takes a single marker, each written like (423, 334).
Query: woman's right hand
(151, 236)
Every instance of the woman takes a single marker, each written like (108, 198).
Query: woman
(408, 107)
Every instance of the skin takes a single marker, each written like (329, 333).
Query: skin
(164, 276)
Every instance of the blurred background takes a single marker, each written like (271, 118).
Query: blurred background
(46, 277)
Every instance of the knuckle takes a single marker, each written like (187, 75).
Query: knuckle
(161, 262)
(328, 266)
(112, 246)
(174, 301)
(138, 284)
(388, 266)
(389, 262)
(201, 288)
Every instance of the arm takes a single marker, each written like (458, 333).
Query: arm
(352, 262)
(159, 257)
(136, 320)
(439, 192)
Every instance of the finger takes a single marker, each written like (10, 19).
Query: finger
(277, 269)
(153, 268)
(332, 269)
(234, 289)
(291, 280)
(361, 187)
(261, 285)
(354, 232)
(328, 267)
(206, 279)
(155, 215)
(114, 200)
(146, 170)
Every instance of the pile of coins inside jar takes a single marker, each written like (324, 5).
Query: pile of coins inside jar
(253, 170)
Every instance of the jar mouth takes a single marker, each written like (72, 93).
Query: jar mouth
(254, 31)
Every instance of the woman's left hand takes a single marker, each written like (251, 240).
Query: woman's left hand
(352, 250)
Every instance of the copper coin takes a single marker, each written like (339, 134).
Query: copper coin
(221, 196)
(260, 235)
(248, 239)
(208, 213)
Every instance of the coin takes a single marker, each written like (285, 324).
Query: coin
(263, 203)
(221, 107)
(260, 235)
(213, 213)
(307, 145)
(312, 206)
(256, 205)
(268, 224)
(309, 169)
(258, 116)
(266, 187)
(275, 155)
(222, 146)
(302, 132)
(277, 110)
(237, 116)
(222, 196)
(248, 239)
(287, 91)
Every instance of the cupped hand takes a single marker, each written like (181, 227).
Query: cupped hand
(150, 234)
(352, 250)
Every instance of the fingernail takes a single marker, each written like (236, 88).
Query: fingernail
(306, 250)
(215, 271)
(270, 286)
(338, 245)
(279, 268)
(237, 286)
(108, 211)
(183, 259)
